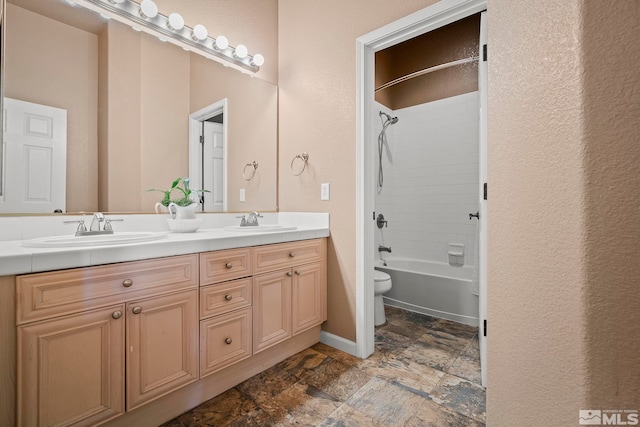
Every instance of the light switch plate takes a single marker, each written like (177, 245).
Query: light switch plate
(324, 191)
(242, 194)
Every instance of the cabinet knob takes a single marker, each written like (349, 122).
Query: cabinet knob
(228, 297)
(292, 254)
(136, 310)
(127, 282)
(298, 272)
(229, 265)
(289, 274)
(228, 341)
(116, 314)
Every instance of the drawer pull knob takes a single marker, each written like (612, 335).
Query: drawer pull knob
(116, 314)
(228, 297)
(127, 282)
(229, 265)
(136, 310)
(292, 254)
(228, 341)
(289, 274)
(298, 272)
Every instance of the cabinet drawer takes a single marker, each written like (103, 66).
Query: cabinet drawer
(283, 255)
(224, 297)
(224, 340)
(43, 295)
(221, 266)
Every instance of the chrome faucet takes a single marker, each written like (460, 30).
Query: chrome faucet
(251, 220)
(384, 249)
(98, 217)
(94, 228)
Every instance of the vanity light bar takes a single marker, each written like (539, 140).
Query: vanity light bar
(131, 13)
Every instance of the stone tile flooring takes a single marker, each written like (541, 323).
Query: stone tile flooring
(424, 372)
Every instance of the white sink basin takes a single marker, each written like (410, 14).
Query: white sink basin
(260, 228)
(95, 240)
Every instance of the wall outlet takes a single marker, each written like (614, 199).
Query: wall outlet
(242, 194)
(324, 191)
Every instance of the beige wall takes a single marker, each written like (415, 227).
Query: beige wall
(317, 44)
(563, 210)
(71, 55)
(612, 200)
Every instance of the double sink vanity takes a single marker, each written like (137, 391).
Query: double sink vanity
(137, 333)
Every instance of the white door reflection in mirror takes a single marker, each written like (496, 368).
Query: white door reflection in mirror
(213, 165)
(208, 154)
(35, 158)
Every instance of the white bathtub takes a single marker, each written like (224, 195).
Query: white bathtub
(432, 288)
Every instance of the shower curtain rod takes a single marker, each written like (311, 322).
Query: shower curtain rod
(427, 71)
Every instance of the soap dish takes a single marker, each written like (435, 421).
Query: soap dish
(184, 225)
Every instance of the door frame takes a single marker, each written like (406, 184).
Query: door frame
(418, 23)
(195, 153)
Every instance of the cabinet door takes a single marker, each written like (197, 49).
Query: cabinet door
(162, 345)
(309, 284)
(71, 369)
(271, 309)
(224, 340)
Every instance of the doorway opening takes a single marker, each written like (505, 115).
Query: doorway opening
(430, 19)
(208, 155)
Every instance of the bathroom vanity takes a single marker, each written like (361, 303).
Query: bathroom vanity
(139, 342)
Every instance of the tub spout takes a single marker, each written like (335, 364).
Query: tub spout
(384, 249)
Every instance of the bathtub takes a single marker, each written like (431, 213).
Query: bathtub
(432, 288)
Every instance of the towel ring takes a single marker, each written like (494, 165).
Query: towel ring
(304, 157)
(252, 172)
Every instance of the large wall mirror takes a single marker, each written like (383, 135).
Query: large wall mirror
(125, 98)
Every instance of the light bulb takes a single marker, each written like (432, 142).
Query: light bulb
(221, 43)
(241, 51)
(200, 32)
(148, 9)
(257, 60)
(176, 22)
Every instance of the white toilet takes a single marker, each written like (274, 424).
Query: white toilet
(381, 284)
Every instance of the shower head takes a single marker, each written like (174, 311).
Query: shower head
(389, 120)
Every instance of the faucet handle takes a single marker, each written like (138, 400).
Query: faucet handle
(82, 228)
(243, 222)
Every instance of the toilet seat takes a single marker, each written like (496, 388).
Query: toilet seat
(380, 276)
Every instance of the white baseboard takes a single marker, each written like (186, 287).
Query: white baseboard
(338, 342)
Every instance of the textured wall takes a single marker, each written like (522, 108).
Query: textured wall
(536, 265)
(612, 157)
(317, 81)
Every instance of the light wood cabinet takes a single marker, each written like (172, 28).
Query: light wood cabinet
(162, 345)
(72, 369)
(75, 364)
(290, 300)
(224, 340)
(271, 309)
(309, 296)
(105, 344)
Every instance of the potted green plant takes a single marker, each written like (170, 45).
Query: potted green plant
(181, 187)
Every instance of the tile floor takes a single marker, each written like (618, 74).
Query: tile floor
(424, 372)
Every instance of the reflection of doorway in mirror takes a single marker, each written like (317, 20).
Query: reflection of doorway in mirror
(35, 158)
(208, 155)
(213, 164)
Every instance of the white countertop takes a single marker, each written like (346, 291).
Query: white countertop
(18, 259)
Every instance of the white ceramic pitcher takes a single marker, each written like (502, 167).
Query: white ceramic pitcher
(182, 212)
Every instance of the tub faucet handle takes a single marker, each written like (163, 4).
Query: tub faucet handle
(380, 221)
